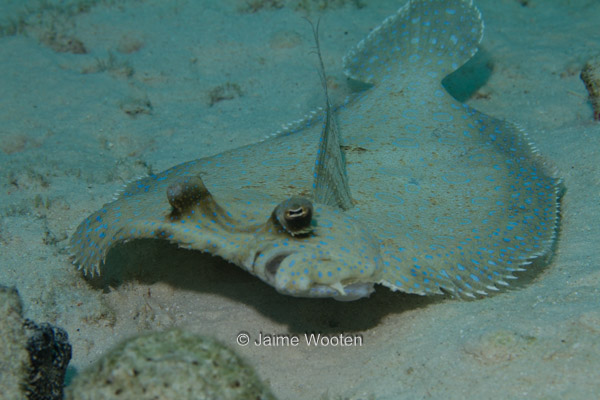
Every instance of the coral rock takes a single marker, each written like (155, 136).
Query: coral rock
(168, 365)
(590, 75)
(49, 355)
(13, 355)
(33, 358)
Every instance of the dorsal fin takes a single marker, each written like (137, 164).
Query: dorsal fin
(330, 185)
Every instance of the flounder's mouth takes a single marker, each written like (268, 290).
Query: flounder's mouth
(338, 291)
(350, 292)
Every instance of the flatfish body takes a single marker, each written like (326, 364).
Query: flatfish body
(401, 185)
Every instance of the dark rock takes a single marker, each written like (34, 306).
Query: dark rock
(49, 354)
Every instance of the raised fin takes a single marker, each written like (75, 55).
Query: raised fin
(330, 185)
(434, 36)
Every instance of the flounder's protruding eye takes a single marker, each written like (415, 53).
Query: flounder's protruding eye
(295, 215)
(185, 193)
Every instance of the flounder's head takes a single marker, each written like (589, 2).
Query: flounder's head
(300, 248)
(314, 251)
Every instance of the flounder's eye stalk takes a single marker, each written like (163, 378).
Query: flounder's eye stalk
(295, 215)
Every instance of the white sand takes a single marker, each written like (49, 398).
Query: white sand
(66, 145)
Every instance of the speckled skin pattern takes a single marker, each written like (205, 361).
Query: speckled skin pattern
(445, 198)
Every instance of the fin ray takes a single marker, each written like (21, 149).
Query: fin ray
(330, 186)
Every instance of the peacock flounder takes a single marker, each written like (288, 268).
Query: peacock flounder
(400, 186)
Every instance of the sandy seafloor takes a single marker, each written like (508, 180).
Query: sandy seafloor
(75, 127)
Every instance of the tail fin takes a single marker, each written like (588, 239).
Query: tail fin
(435, 35)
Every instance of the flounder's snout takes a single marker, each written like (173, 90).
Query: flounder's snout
(304, 274)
